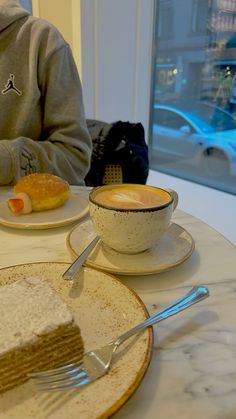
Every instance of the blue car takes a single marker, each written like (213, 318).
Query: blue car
(198, 134)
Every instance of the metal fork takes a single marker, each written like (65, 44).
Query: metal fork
(96, 363)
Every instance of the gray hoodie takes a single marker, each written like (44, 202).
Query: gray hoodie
(42, 121)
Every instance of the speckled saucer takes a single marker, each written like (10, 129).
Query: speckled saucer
(175, 246)
(104, 308)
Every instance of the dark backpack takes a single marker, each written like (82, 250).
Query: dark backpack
(120, 144)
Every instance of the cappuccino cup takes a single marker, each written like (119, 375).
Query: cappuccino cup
(131, 218)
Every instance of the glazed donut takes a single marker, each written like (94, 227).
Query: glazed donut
(45, 191)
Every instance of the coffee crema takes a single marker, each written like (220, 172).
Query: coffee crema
(135, 197)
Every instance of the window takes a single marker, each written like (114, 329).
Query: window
(27, 4)
(169, 118)
(193, 113)
(199, 16)
(165, 19)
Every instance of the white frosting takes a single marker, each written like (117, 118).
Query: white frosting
(29, 308)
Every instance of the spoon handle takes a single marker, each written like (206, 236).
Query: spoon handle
(70, 273)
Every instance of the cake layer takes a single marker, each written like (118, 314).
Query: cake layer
(37, 331)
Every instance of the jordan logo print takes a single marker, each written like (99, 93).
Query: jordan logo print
(11, 86)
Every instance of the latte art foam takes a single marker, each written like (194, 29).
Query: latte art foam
(129, 198)
(132, 198)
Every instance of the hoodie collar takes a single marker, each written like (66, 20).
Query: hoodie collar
(10, 11)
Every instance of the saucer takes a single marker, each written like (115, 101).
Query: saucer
(75, 208)
(174, 247)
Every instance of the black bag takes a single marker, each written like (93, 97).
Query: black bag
(119, 143)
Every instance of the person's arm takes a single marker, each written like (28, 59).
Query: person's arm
(65, 146)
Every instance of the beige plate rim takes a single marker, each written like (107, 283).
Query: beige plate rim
(27, 223)
(138, 271)
(127, 293)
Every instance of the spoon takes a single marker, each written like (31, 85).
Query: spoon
(70, 273)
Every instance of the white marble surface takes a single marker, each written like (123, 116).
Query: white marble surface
(192, 373)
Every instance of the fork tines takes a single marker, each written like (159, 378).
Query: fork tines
(66, 377)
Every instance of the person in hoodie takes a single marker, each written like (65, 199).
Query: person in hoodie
(42, 121)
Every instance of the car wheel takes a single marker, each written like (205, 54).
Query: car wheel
(215, 163)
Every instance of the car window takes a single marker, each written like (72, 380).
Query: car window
(210, 118)
(221, 121)
(170, 119)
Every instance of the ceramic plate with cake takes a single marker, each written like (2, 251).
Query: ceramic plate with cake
(174, 247)
(70, 310)
(42, 200)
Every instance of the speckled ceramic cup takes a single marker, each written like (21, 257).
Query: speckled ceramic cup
(131, 218)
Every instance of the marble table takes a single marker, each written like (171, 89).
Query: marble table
(192, 373)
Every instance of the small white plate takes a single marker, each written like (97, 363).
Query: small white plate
(175, 246)
(104, 308)
(74, 209)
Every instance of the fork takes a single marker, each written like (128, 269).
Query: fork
(95, 363)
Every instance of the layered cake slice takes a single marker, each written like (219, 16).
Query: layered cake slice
(37, 331)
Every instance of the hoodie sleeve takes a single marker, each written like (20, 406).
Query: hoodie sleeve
(65, 146)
